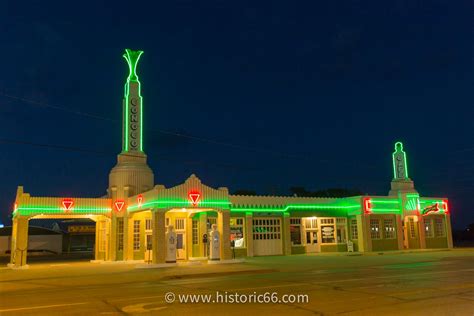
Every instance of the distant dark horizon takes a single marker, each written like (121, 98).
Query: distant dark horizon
(248, 96)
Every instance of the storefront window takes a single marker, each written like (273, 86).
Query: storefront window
(439, 227)
(429, 228)
(389, 228)
(354, 232)
(237, 232)
(374, 229)
(327, 231)
(295, 231)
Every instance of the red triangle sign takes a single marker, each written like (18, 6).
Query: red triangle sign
(67, 204)
(194, 198)
(119, 205)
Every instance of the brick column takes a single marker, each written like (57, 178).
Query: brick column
(449, 233)
(202, 231)
(363, 230)
(421, 232)
(19, 242)
(399, 226)
(128, 253)
(158, 238)
(249, 233)
(223, 226)
(286, 234)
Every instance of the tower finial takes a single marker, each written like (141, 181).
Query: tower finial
(132, 57)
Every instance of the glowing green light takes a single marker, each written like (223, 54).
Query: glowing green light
(132, 57)
(299, 207)
(38, 210)
(400, 169)
(177, 203)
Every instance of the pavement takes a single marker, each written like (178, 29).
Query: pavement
(406, 283)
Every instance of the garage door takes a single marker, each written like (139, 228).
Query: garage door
(267, 236)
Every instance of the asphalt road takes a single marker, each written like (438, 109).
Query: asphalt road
(427, 283)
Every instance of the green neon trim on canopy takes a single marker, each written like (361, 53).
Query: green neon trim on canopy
(37, 210)
(299, 206)
(132, 57)
(399, 158)
(180, 203)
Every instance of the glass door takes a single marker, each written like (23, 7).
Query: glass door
(312, 244)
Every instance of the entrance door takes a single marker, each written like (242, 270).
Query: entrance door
(180, 227)
(312, 244)
(180, 246)
(411, 232)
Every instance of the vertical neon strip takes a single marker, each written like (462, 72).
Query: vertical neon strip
(399, 149)
(367, 206)
(445, 206)
(132, 57)
(141, 115)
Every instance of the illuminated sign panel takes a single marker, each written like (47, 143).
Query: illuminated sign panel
(194, 197)
(67, 204)
(119, 205)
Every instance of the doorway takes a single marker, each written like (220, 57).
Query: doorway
(312, 244)
(180, 228)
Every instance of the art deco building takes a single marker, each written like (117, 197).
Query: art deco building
(131, 221)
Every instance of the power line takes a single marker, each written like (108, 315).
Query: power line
(106, 153)
(201, 139)
(98, 117)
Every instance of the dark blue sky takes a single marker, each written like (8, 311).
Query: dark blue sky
(285, 93)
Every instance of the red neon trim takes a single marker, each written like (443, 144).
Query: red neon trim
(445, 205)
(367, 206)
(67, 204)
(119, 205)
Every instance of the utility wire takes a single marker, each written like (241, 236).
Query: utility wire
(201, 139)
(106, 153)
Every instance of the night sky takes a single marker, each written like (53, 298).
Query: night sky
(269, 95)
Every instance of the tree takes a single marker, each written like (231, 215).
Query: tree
(331, 192)
(244, 192)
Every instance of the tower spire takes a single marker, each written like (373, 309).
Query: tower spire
(132, 140)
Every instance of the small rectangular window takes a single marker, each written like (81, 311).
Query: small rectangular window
(148, 224)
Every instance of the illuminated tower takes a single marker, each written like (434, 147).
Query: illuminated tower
(131, 175)
(401, 183)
